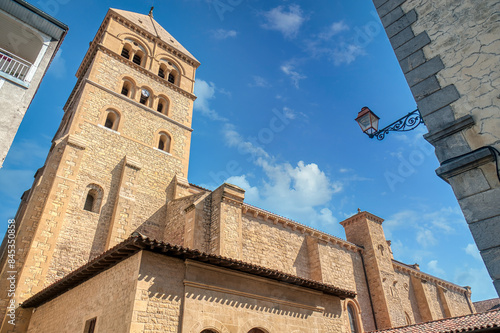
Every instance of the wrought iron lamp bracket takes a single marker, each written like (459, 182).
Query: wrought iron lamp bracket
(404, 124)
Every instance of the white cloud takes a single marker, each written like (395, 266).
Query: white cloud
(473, 251)
(334, 29)
(251, 192)
(426, 238)
(434, 268)
(259, 81)
(58, 66)
(234, 139)
(223, 34)
(287, 21)
(304, 184)
(425, 225)
(289, 69)
(205, 92)
(299, 192)
(478, 279)
(289, 113)
(346, 53)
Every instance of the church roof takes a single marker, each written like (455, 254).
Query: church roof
(484, 322)
(149, 24)
(138, 242)
(487, 305)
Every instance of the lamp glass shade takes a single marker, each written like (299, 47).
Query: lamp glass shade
(368, 121)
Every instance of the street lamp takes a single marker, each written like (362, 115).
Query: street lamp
(368, 121)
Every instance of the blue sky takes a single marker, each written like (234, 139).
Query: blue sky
(279, 86)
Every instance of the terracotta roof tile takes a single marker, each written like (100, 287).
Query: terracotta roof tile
(138, 242)
(469, 323)
(487, 305)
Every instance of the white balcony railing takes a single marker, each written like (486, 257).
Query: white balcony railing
(14, 66)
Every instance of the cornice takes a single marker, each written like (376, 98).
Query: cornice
(426, 277)
(146, 34)
(362, 216)
(288, 223)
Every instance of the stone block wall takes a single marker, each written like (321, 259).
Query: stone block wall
(236, 302)
(448, 51)
(109, 296)
(159, 297)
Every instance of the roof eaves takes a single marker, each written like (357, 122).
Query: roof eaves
(138, 242)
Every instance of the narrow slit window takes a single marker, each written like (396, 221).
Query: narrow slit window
(125, 53)
(90, 325)
(352, 319)
(137, 59)
(89, 202)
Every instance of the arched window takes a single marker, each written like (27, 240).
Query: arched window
(89, 201)
(126, 51)
(126, 88)
(171, 78)
(144, 99)
(137, 59)
(208, 331)
(162, 70)
(93, 198)
(353, 319)
(162, 105)
(256, 330)
(164, 142)
(112, 119)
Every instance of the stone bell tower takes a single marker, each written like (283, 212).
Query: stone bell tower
(365, 229)
(122, 146)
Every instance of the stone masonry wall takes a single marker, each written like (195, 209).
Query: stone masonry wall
(276, 246)
(108, 296)
(232, 302)
(159, 295)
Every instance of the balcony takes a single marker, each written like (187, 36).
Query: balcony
(13, 66)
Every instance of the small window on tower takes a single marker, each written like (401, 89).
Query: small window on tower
(160, 107)
(137, 59)
(126, 88)
(93, 199)
(164, 142)
(161, 73)
(90, 325)
(171, 78)
(110, 120)
(125, 52)
(89, 202)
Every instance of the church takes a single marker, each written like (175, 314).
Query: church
(112, 237)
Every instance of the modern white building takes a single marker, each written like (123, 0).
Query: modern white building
(29, 40)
